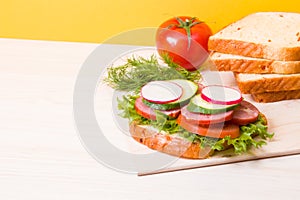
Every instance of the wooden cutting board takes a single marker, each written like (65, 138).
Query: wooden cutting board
(283, 118)
(284, 121)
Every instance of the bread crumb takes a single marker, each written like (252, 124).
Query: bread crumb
(238, 28)
(298, 39)
(269, 40)
(297, 34)
(280, 15)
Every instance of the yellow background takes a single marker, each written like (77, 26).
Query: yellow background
(98, 20)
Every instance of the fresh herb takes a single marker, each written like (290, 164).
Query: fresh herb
(139, 71)
(189, 75)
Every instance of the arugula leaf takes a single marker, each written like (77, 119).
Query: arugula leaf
(139, 71)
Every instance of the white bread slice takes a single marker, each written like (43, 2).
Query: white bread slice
(259, 83)
(266, 97)
(243, 64)
(270, 35)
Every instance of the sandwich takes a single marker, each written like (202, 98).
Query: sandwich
(263, 50)
(174, 113)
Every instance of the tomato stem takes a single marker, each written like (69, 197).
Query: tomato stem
(187, 25)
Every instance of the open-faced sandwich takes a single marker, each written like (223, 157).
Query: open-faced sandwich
(171, 112)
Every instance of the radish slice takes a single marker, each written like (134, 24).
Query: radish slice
(161, 92)
(219, 94)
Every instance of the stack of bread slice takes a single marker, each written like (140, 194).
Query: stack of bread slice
(263, 50)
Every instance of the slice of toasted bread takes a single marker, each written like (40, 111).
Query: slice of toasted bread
(242, 64)
(166, 143)
(266, 97)
(270, 35)
(173, 144)
(260, 83)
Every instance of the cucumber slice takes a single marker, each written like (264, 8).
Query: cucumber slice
(189, 89)
(199, 105)
(219, 94)
(161, 92)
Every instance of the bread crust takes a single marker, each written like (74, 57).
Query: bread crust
(169, 144)
(275, 84)
(262, 66)
(254, 50)
(267, 97)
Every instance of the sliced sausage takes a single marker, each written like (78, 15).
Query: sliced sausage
(245, 113)
(150, 113)
(198, 118)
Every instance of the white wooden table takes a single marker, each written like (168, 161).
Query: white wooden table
(41, 156)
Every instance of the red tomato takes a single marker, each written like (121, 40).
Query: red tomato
(185, 40)
(214, 130)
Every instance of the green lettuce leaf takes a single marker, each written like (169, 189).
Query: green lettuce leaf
(252, 135)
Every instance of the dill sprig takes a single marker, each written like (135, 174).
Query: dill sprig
(139, 71)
